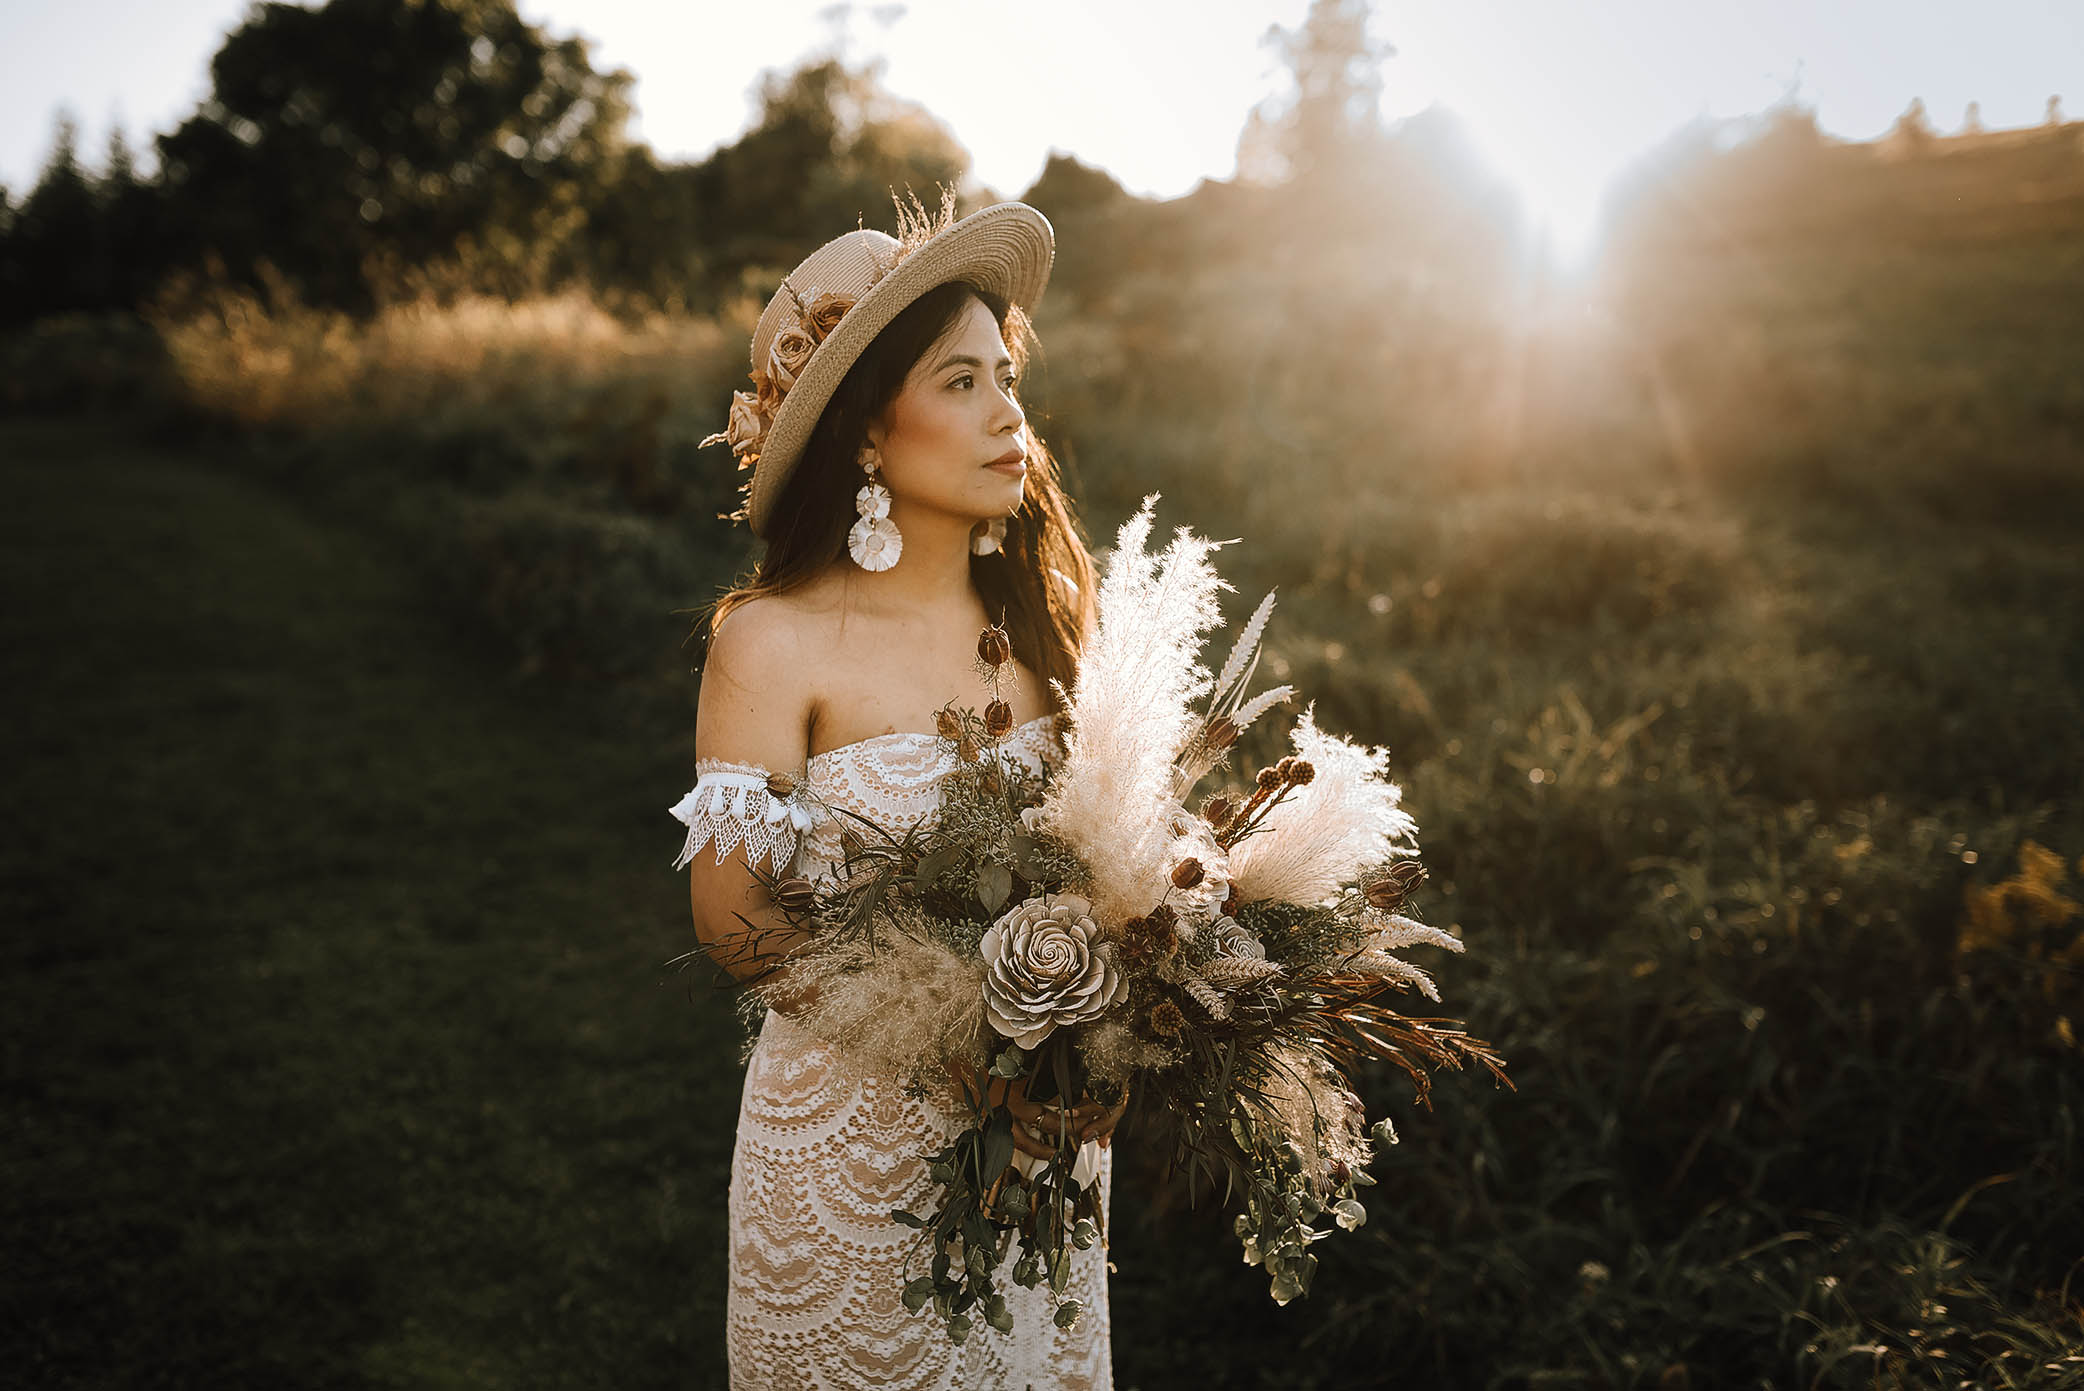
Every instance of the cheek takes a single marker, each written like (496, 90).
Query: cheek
(923, 432)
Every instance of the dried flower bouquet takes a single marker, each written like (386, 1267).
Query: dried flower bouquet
(1087, 936)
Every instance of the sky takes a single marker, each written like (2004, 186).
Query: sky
(1558, 94)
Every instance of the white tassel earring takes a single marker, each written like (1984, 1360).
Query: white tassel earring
(987, 537)
(874, 542)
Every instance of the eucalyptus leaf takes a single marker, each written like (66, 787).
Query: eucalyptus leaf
(994, 887)
(998, 1145)
(933, 866)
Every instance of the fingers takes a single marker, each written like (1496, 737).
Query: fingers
(1030, 1146)
(1101, 1128)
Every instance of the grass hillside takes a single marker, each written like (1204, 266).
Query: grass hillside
(1724, 613)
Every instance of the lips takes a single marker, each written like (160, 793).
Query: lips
(1017, 456)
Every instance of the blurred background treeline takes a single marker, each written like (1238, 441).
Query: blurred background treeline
(1721, 600)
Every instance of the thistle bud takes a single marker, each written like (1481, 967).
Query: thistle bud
(1217, 811)
(1220, 734)
(780, 784)
(946, 723)
(1187, 873)
(994, 648)
(966, 749)
(998, 719)
(795, 895)
(1270, 779)
(1301, 771)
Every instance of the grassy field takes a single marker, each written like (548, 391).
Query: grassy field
(1725, 619)
(339, 1048)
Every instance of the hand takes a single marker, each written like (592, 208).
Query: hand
(1088, 1120)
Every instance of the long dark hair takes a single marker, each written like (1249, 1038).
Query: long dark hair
(1041, 579)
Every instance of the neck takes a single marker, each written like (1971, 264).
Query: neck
(933, 570)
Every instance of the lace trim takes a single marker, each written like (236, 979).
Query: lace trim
(730, 805)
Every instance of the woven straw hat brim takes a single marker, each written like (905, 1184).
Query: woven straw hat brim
(1006, 248)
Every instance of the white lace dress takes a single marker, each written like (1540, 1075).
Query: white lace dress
(826, 1150)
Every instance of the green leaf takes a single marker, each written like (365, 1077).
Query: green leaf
(1067, 1313)
(1009, 1064)
(933, 866)
(998, 1145)
(994, 887)
(918, 1293)
(916, 1223)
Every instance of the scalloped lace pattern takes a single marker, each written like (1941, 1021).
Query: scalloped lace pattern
(825, 1150)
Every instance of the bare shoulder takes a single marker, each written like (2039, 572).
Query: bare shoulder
(757, 691)
(758, 642)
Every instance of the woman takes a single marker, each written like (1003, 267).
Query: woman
(904, 506)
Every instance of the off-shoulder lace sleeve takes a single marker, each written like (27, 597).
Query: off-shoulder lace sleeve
(730, 804)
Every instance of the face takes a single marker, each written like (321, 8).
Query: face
(946, 438)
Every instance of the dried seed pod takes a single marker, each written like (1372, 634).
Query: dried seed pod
(1270, 778)
(1390, 889)
(994, 647)
(991, 781)
(947, 724)
(1301, 771)
(780, 784)
(1216, 811)
(966, 749)
(1187, 873)
(998, 719)
(851, 844)
(1220, 734)
(1167, 1020)
(795, 895)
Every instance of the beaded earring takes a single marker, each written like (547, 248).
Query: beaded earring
(874, 543)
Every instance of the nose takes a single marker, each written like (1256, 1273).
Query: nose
(1008, 415)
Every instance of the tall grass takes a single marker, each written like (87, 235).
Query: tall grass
(1725, 617)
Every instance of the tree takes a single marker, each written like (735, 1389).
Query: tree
(48, 263)
(402, 130)
(1332, 117)
(828, 148)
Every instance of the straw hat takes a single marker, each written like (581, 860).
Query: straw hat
(832, 306)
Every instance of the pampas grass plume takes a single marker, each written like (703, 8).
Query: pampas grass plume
(1323, 835)
(1113, 794)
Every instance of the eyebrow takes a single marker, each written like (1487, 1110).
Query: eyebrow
(965, 360)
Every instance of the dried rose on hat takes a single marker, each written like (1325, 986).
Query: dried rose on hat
(789, 354)
(823, 313)
(747, 426)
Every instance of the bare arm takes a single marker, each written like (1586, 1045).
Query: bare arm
(755, 709)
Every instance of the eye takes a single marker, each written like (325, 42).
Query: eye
(965, 381)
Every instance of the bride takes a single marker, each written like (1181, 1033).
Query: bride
(905, 505)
